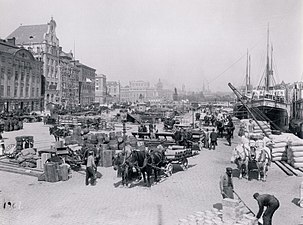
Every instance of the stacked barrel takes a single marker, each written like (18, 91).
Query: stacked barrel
(12, 124)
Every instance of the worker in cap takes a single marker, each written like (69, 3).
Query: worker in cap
(226, 184)
(91, 169)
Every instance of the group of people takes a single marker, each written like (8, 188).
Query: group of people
(265, 200)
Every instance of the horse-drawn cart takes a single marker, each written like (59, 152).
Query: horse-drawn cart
(177, 156)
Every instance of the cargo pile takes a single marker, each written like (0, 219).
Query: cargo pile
(232, 214)
(287, 147)
(252, 129)
(104, 145)
(12, 125)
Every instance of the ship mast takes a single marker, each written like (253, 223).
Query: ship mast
(267, 64)
(247, 77)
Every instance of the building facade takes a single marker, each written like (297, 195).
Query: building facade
(20, 79)
(100, 89)
(42, 41)
(113, 91)
(87, 85)
(124, 94)
(69, 80)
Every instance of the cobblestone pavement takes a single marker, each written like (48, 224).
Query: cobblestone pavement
(182, 194)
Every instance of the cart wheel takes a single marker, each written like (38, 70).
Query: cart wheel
(184, 164)
(169, 170)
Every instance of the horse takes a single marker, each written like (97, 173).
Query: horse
(240, 157)
(122, 166)
(220, 128)
(262, 159)
(54, 131)
(146, 163)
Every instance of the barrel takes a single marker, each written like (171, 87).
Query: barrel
(63, 172)
(59, 144)
(113, 144)
(92, 139)
(106, 138)
(51, 172)
(44, 157)
(112, 135)
(104, 147)
(107, 158)
(68, 140)
(77, 131)
(99, 137)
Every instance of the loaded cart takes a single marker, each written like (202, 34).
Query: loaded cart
(177, 155)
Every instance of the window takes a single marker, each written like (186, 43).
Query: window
(9, 74)
(3, 59)
(33, 92)
(1, 90)
(21, 91)
(16, 91)
(38, 94)
(22, 75)
(16, 75)
(8, 91)
(26, 92)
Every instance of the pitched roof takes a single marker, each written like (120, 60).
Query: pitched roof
(29, 34)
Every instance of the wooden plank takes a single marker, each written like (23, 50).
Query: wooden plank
(295, 171)
(13, 164)
(285, 170)
(301, 169)
(22, 172)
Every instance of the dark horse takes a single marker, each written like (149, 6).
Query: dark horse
(147, 163)
(54, 131)
(124, 169)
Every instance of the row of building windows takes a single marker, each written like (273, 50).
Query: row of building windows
(26, 94)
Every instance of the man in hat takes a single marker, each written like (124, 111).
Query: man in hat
(91, 169)
(272, 204)
(226, 184)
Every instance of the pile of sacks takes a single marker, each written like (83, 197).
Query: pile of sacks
(287, 147)
(27, 157)
(295, 153)
(232, 214)
(253, 130)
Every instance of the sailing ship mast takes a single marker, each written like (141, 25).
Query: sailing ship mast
(247, 77)
(269, 70)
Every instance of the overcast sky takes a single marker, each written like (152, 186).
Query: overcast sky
(179, 41)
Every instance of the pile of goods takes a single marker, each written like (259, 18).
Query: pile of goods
(232, 213)
(279, 146)
(104, 145)
(295, 153)
(253, 130)
(12, 124)
(287, 147)
(27, 158)
(177, 152)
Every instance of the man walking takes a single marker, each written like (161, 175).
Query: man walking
(213, 139)
(272, 204)
(226, 184)
(90, 169)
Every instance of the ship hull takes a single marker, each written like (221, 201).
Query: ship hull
(278, 117)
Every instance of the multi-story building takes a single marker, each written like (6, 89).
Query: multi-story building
(124, 94)
(138, 90)
(113, 91)
(20, 78)
(42, 41)
(100, 89)
(87, 85)
(69, 80)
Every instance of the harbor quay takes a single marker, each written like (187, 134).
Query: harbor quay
(173, 198)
